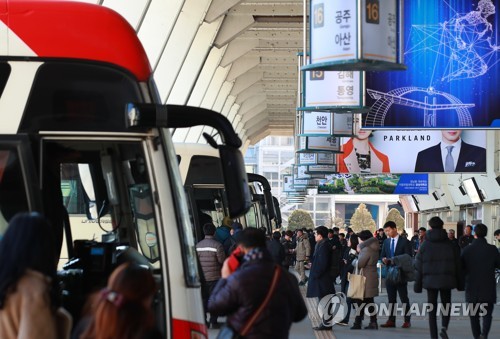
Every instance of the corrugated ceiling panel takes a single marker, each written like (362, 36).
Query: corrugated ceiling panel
(184, 83)
(222, 96)
(214, 87)
(178, 44)
(157, 26)
(228, 103)
(232, 112)
(180, 134)
(238, 128)
(206, 75)
(194, 134)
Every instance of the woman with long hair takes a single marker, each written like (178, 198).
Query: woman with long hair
(124, 308)
(350, 254)
(29, 297)
(360, 156)
(367, 261)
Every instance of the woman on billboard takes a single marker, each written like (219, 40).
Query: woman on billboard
(359, 155)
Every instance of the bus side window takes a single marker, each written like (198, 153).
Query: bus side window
(79, 199)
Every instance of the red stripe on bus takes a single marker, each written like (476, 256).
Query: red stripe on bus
(59, 29)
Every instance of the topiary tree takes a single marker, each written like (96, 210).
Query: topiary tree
(395, 216)
(300, 219)
(362, 220)
(337, 220)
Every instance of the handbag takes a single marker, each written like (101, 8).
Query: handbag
(227, 332)
(394, 275)
(357, 283)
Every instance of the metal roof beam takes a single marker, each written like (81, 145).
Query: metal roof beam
(232, 27)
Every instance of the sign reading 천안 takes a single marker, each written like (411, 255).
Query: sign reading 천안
(413, 151)
(374, 184)
(326, 124)
(453, 55)
(316, 123)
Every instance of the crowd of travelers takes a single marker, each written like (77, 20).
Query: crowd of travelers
(246, 277)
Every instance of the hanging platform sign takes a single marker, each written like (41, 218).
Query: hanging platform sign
(356, 35)
(319, 144)
(325, 159)
(339, 92)
(316, 158)
(287, 183)
(290, 187)
(304, 183)
(299, 172)
(307, 158)
(318, 124)
(321, 169)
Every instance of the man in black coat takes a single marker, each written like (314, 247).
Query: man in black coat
(321, 281)
(393, 246)
(275, 248)
(452, 154)
(240, 293)
(467, 238)
(479, 261)
(438, 269)
(336, 254)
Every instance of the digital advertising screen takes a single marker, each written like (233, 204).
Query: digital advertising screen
(374, 184)
(414, 151)
(452, 53)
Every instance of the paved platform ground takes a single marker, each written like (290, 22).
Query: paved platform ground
(459, 326)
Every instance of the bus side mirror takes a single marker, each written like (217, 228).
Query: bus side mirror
(235, 180)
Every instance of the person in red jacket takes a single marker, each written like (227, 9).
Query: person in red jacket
(246, 280)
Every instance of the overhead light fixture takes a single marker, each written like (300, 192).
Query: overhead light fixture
(414, 206)
(483, 194)
(462, 189)
(473, 190)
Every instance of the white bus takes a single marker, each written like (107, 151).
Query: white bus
(84, 141)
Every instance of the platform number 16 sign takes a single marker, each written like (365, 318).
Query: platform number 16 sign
(319, 15)
(372, 12)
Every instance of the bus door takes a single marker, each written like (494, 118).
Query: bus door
(207, 201)
(99, 190)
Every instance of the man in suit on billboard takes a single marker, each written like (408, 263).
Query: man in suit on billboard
(452, 154)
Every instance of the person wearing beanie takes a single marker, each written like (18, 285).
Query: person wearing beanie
(439, 271)
(479, 261)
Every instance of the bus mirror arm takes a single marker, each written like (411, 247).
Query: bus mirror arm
(188, 116)
(210, 140)
(176, 116)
